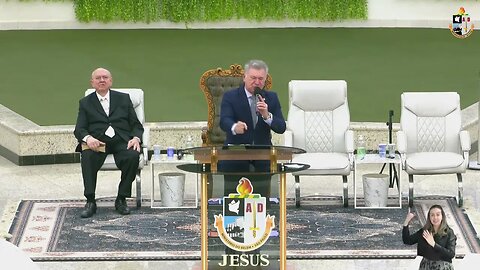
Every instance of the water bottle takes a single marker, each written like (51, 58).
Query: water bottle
(156, 152)
(361, 150)
(189, 144)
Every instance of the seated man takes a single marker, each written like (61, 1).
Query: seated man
(107, 124)
(248, 117)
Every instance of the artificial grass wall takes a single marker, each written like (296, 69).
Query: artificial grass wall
(214, 10)
(44, 73)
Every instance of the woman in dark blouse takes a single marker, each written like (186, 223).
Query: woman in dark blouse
(436, 240)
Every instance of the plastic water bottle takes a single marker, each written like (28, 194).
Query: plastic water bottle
(189, 144)
(361, 150)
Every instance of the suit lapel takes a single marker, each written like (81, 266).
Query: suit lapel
(113, 101)
(96, 104)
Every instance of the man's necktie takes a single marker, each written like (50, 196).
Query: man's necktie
(253, 110)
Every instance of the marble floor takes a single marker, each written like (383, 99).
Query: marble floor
(64, 182)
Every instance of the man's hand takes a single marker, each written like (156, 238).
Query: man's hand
(240, 127)
(262, 107)
(135, 143)
(94, 144)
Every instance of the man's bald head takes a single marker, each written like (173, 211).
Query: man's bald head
(101, 80)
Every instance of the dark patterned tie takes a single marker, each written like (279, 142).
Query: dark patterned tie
(253, 110)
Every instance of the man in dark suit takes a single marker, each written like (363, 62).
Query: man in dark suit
(249, 119)
(107, 124)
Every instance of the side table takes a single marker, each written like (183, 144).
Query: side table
(376, 159)
(169, 161)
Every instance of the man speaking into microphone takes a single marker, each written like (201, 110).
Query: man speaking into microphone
(248, 114)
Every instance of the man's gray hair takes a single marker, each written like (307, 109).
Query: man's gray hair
(256, 64)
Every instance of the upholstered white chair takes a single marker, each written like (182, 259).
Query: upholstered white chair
(318, 122)
(136, 96)
(431, 140)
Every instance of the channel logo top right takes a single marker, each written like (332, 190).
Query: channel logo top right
(461, 27)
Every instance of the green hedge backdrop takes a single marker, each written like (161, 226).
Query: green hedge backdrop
(216, 10)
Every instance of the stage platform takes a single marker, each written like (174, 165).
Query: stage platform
(63, 182)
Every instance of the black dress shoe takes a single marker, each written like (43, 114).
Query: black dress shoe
(121, 207)
(89, 210)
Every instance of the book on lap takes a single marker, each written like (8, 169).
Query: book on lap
(101, 148)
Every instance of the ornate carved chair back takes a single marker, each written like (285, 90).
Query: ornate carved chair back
(214, 83)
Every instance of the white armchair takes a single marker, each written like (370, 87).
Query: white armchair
(136, 96)
(318, 121)
(431, 140)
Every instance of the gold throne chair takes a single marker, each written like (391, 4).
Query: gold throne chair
(214, 83)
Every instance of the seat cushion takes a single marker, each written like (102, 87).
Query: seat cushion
(434, 163)
(323, 163)
(109, 164)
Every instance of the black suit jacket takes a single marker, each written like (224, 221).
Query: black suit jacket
(443, 250)
(92, 120)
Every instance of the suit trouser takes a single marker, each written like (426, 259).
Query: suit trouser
(127, 161)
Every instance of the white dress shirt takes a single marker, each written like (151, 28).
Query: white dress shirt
(105, 101)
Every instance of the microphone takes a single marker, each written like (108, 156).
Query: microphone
(257, 92)
(390, 125)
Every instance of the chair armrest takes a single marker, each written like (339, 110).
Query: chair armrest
(465, 140)
(146, 137)
(350, 147)
(349, 144)
(145, 155)
(402, 146)
(465, 144)
(288, 138)
(145, 144)
(401, 142)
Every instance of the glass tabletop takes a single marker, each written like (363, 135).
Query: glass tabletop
(245, 147)
(206, 168)
(243, 152)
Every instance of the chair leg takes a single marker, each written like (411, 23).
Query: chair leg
(410, 190)
(460, 190)
(297, 191)
(138, 179)
(345, 191)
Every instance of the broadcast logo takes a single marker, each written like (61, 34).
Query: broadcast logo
(461, 26)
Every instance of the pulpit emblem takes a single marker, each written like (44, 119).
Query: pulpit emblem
(244, 226)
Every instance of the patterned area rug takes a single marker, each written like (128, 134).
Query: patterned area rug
(53, 230)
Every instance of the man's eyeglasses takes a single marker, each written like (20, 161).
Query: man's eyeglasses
(98, 78)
